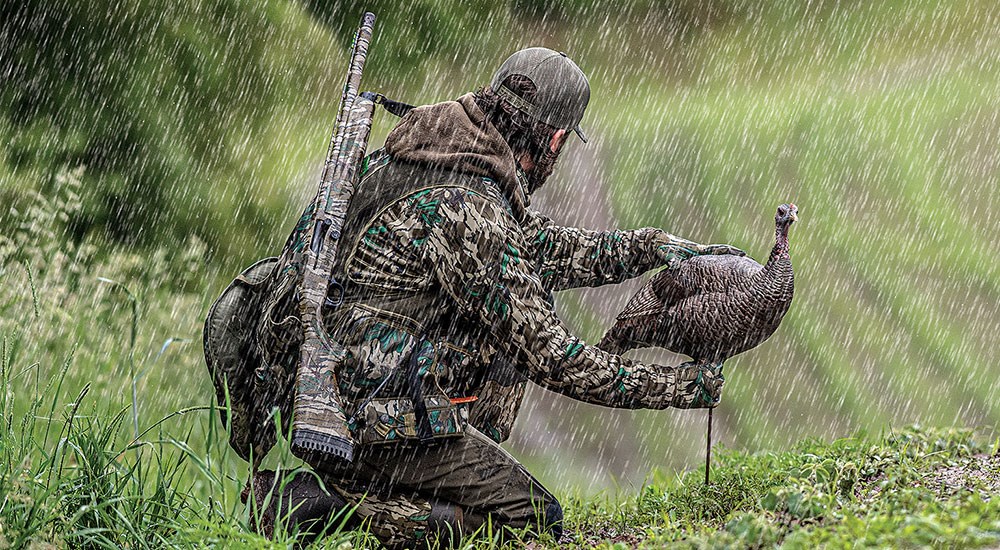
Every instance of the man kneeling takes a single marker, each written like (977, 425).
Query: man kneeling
(447, 277)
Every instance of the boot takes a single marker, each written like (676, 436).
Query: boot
(304, 506)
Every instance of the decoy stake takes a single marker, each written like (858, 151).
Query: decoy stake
(708, 448)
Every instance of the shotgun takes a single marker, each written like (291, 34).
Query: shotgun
(319, 424)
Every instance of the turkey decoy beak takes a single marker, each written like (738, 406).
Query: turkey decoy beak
(794, 217)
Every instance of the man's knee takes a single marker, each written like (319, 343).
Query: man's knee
(552, 518)
(446, 523)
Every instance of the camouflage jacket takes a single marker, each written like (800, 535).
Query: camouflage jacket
(447, 275)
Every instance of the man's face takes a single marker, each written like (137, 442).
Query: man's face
(540, 169)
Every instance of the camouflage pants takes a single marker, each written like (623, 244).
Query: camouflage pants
(415, 495)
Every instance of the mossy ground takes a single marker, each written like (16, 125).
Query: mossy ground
(913, 488)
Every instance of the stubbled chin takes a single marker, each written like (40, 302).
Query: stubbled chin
(541, 171)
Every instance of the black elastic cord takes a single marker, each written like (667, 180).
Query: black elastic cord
(397, 108)
(413, 378)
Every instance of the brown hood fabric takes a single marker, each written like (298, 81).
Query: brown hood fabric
(455, 135)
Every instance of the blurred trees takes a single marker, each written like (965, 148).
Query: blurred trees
(170, 106)
(204, 116)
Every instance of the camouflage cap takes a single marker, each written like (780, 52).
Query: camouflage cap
(563, 89)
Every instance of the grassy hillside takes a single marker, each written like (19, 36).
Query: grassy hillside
(913, 488)
(163, 150)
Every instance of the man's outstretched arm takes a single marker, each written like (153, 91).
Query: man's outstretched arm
(572, 257)
(475, 254)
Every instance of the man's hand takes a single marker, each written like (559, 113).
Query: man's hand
(717, 249)
(673, 249)
(698, 385)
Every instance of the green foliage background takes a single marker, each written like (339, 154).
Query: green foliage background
(201, 126)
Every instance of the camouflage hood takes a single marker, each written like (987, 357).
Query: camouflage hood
(455, 135)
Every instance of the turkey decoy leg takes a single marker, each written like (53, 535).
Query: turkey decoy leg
(708, 447)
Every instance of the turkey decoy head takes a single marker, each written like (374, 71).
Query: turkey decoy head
(787, 213)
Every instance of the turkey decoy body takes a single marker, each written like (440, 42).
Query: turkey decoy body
(710, 307)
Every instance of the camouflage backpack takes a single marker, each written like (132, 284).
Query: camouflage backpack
(232, 353)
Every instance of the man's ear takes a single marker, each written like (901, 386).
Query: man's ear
(558, 139)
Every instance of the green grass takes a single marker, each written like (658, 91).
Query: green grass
(74, 474)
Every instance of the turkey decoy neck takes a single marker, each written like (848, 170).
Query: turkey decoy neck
(787, 215)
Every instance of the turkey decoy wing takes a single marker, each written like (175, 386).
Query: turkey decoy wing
(658, 293)
(696, 276)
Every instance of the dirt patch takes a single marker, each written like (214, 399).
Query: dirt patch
(981, 473)
(594, 536)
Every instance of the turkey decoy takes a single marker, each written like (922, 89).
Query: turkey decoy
(710, 307)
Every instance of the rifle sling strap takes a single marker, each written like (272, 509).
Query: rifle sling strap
(397, 108)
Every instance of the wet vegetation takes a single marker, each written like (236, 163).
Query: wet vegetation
(913, 488)
(150, 152)
(74, 474)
